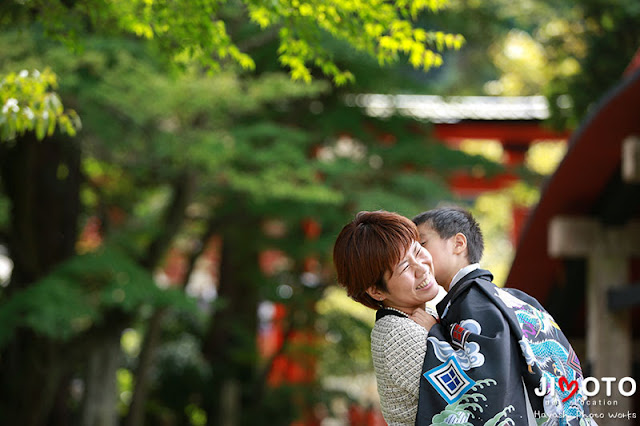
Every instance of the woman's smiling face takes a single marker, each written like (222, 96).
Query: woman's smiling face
(411, 283)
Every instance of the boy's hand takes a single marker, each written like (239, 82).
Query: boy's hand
(421, 317)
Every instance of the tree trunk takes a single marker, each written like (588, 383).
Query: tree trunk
(230, 397)
(145, 363)
(42, 181)
(31, 374)
(100, 386)
(174, 218)
(230, 344)
(183, 187)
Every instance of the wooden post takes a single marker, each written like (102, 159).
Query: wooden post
(608, 334)
(229, 406)
(631, 159)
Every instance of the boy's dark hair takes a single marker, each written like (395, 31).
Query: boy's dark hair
(448, 221)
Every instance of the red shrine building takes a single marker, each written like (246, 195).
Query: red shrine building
(579, 251)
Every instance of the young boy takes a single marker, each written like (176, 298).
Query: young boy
(493, 347)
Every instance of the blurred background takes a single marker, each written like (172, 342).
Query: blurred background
(173, 176)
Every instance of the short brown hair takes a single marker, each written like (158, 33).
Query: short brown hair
(372, 244)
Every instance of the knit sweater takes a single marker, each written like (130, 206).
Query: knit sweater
(398, 347)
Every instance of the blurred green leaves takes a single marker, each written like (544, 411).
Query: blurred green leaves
(79, 292)
(30, 105)
(213, 32)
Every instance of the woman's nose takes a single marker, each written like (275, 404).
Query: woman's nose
(420, 269)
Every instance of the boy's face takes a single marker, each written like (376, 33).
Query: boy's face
(442, 252)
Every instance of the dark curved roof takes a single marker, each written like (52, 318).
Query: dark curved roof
(580, 186)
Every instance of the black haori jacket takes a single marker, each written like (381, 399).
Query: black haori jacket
(492, 347)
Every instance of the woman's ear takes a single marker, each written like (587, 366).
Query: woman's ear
(376, 293)
(459, 243)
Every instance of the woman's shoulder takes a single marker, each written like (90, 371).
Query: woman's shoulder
(390, 330)
(390, 322)
(399, 343)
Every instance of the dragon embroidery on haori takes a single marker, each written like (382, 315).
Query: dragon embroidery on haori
(498, 358)
(539, 346)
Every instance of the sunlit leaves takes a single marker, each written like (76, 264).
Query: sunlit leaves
(524, 66)
(29, 104)
(544, 157)
(187, 30)
(388, 33)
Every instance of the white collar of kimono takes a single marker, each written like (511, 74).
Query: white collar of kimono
(462, 272)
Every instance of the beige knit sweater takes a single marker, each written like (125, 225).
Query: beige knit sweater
(398, 347)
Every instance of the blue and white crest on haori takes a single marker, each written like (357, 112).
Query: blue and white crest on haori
(449, 380)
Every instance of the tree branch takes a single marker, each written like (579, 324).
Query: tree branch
(182, 189)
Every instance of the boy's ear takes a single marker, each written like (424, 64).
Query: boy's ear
(459, 243)
(376, 293)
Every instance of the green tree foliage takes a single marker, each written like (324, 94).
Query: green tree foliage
(572, 52)
(184, 156)
(607, 40)
(210, 31)
(167, 159)
(75, 296)
(29, 104)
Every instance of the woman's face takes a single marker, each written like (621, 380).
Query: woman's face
(411, 283)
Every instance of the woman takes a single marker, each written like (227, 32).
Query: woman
(382, 265)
